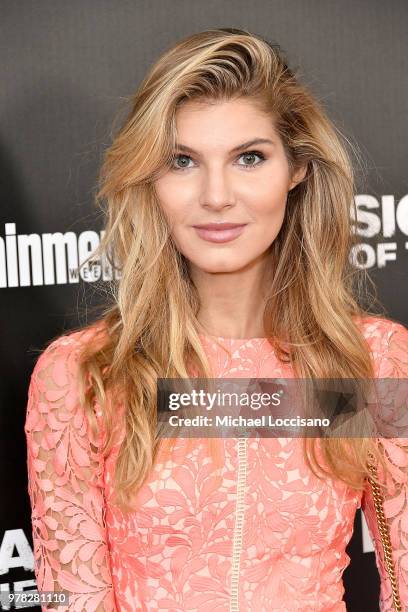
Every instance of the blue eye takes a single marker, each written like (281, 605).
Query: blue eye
(252, 154)
(178, 157)
(244, 154)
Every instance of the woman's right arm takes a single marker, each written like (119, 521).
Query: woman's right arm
(65, 484)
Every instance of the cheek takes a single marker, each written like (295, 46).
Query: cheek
(269, 204)
(268, 192)
(171, 200)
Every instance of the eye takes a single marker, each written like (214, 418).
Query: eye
(246, 154)
(178, 157)
(251, 155)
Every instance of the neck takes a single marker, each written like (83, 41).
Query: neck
(232, 303)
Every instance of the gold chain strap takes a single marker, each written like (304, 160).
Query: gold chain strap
(385, 536)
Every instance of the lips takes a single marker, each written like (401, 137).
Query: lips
(219, 232)
(219, 226)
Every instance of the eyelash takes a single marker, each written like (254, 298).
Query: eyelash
(257, 153)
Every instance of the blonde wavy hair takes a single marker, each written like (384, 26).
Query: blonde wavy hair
(149, 327)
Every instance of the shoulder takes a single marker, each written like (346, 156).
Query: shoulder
(54, 378)
(66, 348)
(53, 387)
(380, 330)
(388, 342)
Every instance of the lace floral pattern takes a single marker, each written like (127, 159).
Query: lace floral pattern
(175, 551)
(65, 476)
(392, 356)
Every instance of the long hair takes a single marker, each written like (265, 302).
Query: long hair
(149, 329)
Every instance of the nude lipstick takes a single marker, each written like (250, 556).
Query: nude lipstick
(219, 232)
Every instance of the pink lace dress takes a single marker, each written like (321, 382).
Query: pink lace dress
(265, 535)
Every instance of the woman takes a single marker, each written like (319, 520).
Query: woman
(221, 132)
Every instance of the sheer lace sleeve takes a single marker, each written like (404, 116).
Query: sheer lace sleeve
(393, 364)
(65, 484)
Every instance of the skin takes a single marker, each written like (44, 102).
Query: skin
(215, 184)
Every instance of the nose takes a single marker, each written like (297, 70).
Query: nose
(216, 189)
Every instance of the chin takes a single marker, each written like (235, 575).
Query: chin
(220, 267)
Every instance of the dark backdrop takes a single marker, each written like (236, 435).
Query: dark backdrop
(65, 70)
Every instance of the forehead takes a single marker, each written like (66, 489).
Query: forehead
(196, 116)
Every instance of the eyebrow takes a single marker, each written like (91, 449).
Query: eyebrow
(244, 145)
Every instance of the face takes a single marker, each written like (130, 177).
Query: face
(229, 167)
